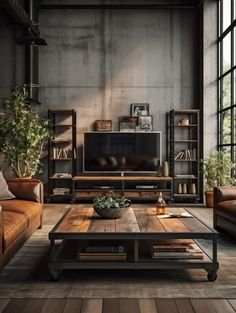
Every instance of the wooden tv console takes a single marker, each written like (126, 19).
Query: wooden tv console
(133, 187)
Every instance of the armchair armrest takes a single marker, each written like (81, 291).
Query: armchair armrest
(221, 194)
(224, 194)
(26, 189)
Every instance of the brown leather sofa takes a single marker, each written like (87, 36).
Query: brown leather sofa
(224, 210)
(19, 217)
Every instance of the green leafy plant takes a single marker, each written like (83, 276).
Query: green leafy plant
(22, 134)
(111, 202)
(216, 167)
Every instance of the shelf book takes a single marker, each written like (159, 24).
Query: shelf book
(176, 251)
(103, 253)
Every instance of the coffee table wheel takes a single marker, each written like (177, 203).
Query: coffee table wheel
(212, 275)
(55, 275)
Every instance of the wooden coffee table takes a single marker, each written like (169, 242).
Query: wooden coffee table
(137, 230)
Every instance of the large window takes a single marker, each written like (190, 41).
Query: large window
(227, 76)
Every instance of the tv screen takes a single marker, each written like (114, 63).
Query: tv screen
(122, 152)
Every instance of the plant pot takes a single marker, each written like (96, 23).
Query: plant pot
(111, 212)
(209, 199)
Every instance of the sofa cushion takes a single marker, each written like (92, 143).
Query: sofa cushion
(227, 209)
(29, 208)
(26, 189)
(4, 190)
(14, 224)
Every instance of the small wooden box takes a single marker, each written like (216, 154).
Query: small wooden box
(103, 125)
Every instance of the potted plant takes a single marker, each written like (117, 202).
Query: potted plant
(216, 167)
(22, 134)
(111, 205)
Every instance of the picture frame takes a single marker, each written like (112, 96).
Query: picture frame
(145, 122)
(128, 123)
(138, 109)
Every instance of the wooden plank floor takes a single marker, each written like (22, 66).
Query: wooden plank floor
(118, 305)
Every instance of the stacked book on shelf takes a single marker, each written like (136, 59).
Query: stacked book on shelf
(61, 191)
(62, 175)
(186, 154)
(61, 139)
(185, 176)
(185, 250)
(100, 253)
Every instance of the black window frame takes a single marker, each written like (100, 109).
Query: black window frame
(221, 111)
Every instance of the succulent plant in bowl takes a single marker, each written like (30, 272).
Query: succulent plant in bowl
(111, 206)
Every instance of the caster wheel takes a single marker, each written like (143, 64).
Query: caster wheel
(212, 276)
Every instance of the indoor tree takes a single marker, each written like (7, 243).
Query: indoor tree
(22, 134)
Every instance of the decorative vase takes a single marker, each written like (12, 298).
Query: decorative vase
(193, 189)
(165, 169)
(184, 191)
(180, 188)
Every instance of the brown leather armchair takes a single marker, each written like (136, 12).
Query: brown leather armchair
(224, 210)
(19, 217)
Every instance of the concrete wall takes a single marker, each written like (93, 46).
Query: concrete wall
(12, 59)
(210, 77)
(12, 66)
(99, 62)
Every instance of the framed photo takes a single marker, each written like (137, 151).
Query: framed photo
(145, 122)
(128, 123)
(138, 109)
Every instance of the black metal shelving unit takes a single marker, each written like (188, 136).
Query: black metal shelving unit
(61, 155)
(184, 154)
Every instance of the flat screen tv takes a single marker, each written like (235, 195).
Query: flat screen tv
(122, 152)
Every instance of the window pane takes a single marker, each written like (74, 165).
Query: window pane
(220, 26)
(226, 135)
(226, 97)
(220, 94)
(234, 11)
(227, 151)
(233, 129)
(226, 13)
(227, 53)
(234, 75)
(234, 44)
(234, 161)
(220, 47)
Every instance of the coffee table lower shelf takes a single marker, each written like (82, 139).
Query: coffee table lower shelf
(59, 262)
